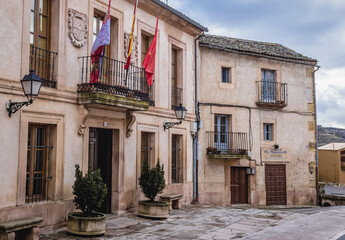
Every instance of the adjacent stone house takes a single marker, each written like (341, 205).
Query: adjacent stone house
(257, 142)
(113, 124)
(332, 163)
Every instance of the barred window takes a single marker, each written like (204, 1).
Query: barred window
(38, 162)
(177, 159)
(268, 131)
(147, 149)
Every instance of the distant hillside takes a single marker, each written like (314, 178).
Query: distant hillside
(329, 134)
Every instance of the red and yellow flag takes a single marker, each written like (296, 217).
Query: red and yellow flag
(150, 59)
(131, 38)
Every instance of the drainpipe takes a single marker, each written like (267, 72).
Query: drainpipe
(195, 138)
(317, 140)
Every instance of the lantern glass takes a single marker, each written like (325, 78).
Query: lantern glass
(180, 112)
(31, 84)
(26, 87)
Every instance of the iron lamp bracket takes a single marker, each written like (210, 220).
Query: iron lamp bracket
(13, 107)
(168, 125)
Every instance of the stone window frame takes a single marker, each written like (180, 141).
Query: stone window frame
(57, 39)
(149, 31)
(154, 130)
(117, 17)
(181, 47)
(232, 72)
(55, 185)
(268, 132)
(267, 143)
(183, 134)
(270, 66)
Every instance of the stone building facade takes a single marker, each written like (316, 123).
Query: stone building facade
(113, 124)
(257, 142)
(256, 105)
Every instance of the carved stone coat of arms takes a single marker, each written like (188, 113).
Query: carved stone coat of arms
(77, 26)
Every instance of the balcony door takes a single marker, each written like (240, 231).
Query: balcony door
(41, 58)
(105, 69)
(267, 86)
(221, 133)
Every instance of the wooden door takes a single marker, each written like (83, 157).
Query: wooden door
(239, 185)
(100, 157)
(275, 175)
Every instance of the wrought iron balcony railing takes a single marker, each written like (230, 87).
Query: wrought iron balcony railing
(42, 63)
(227, 143)
(271, 94)
(112, 79)
(176, 96)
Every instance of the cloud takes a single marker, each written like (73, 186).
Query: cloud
(330, 97)
(313, 28)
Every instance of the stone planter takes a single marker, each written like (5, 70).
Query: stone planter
(86, 226)
(154, 210)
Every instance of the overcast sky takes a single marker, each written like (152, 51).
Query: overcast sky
(315, 28)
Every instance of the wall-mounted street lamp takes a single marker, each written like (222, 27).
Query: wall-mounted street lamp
(180, 112)
(31, 85)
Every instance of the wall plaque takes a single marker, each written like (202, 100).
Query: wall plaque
(278, 155)
(77, 27)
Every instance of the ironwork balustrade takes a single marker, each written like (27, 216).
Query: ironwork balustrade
(176, 96)
(42, 63)
(230, 143)
(271, 93)
(112, 78)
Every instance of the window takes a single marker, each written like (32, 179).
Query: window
(342, 156)
(97, 25)
(41, 58)
(176, 90)
(176, 159)
(145, 41)
(221, 132)
(268, 131)
(226, 75)
(105, 75)
(267, 86)
(144, 47)
(39, 148)
(147, 149)
(40, 24)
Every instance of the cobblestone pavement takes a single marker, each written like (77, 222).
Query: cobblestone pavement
(216, 222)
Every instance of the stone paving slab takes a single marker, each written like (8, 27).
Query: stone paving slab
(217, 223)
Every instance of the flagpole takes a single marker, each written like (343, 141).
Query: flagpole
(128, 64)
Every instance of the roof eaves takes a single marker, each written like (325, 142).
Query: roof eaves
(311, 62)
(181, 15)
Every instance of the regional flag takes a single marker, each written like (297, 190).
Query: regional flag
(150, 58)
(102, 39)
(131, 39)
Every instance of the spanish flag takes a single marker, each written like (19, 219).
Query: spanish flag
(150, 59)
(131, 39)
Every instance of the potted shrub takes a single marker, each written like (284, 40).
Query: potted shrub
(152, 182)
(89, 192)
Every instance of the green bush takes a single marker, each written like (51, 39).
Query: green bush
(89, 191)
(152, 181)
